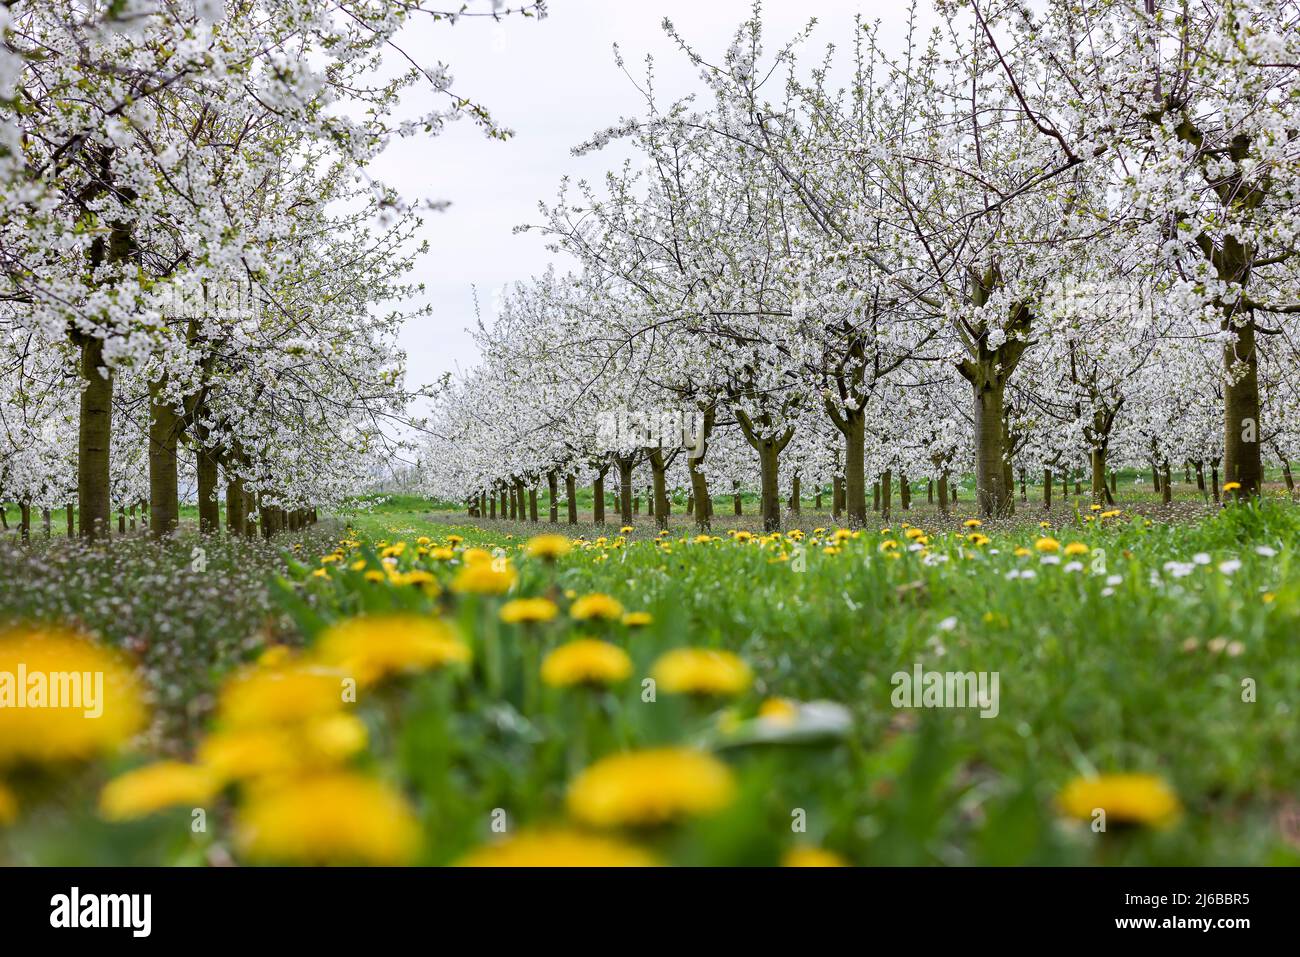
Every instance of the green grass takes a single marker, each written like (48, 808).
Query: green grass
(1123, 665)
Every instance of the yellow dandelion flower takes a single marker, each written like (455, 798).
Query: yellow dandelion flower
(651, 787)
(914, 533)
(317, 744)
(596, 605)
(454, 540)
(743, 536)
(372, 647)
(338, 818)
(701, 671)
(972, 523)
(8, 805)
(444, 554)
(473, 556)
(1021, 551)
(558, 848)
(638, 619)
(523, 610)
(485, 578)
(888, 545)
(807, 856)
(1076, 548)
(1126, 798)
(143, 791)
(80, 699)
(264, 696)
(1231, 486)
(549, 547)
(586, 661)
(626, 530)
(359, 564)
(375, 576)
(778, 710)
(1046, 544)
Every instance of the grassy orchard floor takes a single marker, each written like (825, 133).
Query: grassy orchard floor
(1144, 674)
(1139, 668)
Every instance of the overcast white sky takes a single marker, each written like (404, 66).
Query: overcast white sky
(554, 83)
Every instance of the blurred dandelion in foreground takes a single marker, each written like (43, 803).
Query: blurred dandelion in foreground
(527, 610)
(1143, 799)
(63, 697)
(155, 787)
(596, 606)
(808, 856)
(372, 647)
(586, 661)
(338, 818)
(548, 547)
(702, 671)
(559, 848)
(651, 787)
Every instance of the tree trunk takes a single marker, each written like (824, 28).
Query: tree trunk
(571, 492)
(209, 506)
(164, 432)
(991, 492)
(904, 492)
(93, 438)
(838, 496)
(855, 468)
(700, 492)
(1241, 428)
(625, 489)
(25, 521)
(1047, 488)
(1200, 476)
(886, 492)
(769, 461)
(598, 499)
(553, 489)
(1166, 484)
(1214, 479)
(532, 503)
(943, 492)
(70, 514)
(46, 529)
(795, 495)
(735, 499)
(1099, 491)
(659, 476)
